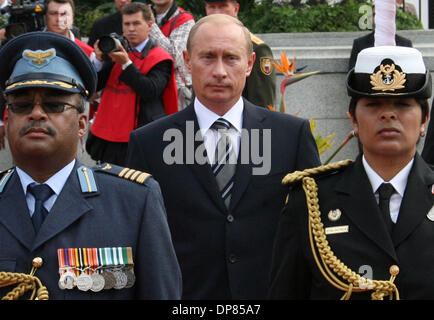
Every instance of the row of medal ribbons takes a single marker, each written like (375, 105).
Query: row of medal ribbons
(96, 269)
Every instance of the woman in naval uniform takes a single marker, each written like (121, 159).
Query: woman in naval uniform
(365, 229)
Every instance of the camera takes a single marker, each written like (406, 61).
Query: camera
(111, 42)
(24, 16)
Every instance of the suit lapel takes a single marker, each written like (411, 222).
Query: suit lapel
(14, 213)
(354, 192)
(70, 205)
(417, 201)
(244, 170)
(201, 172)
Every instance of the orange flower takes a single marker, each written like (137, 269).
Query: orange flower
(287, 67)
(271, 108)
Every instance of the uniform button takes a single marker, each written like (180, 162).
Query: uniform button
(233, 258)
(230, 218)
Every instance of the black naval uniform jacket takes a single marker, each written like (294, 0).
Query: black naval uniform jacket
(119, 213)
(224, 254)
(367, 244)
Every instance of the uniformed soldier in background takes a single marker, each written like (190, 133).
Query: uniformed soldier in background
(366, 228)
(260, 86)
(99, 233)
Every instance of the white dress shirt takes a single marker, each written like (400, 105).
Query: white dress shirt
(56, 183)
(206, 118)
(399, 182)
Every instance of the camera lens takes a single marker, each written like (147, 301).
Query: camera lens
(107, 44)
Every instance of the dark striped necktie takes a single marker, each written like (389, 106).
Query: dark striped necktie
(41, 192)
(224, 161)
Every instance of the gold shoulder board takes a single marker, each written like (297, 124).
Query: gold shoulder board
(327, 169)
(125, 173)
(255, 39)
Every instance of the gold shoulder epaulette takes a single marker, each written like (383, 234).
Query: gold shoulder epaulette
(256, 39)
(328, 169)
(122, 172)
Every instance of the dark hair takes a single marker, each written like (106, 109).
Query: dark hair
(135, 7)
(81, 106)
(71, 2)
(422, 102)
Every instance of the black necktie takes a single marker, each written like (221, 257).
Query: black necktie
(385, 191)
(41, 192)
(225, 161)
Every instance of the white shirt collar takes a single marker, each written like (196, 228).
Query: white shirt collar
(56, 182)
(160, 16)
(206, 117)
(140, 47)
(399, 181)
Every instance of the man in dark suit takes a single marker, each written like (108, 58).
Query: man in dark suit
(428, 147)
(260, 88)
(222, 222)
(108, 24)
(368, 41)
(93, 228)
(365, 229)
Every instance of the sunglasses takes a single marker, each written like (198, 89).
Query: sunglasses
(48, 107)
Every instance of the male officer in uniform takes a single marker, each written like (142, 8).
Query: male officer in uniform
(95, 229)
(260, 88)
(373, 217)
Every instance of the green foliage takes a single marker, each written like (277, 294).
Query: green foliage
(272, 18)
(87, 13)
(265, 17)
(407, 21)
(197, 7)
(3, 21)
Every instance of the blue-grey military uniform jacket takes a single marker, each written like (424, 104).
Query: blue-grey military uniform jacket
(98, 209)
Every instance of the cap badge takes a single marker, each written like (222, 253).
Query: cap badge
(39, 58)
(387, 79)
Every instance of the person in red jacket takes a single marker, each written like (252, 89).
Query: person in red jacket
(173, 24)
(139, 87)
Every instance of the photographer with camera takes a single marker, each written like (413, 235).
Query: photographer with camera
(139, 86)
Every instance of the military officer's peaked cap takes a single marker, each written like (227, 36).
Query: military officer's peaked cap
(46, 59)
(389, 71)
